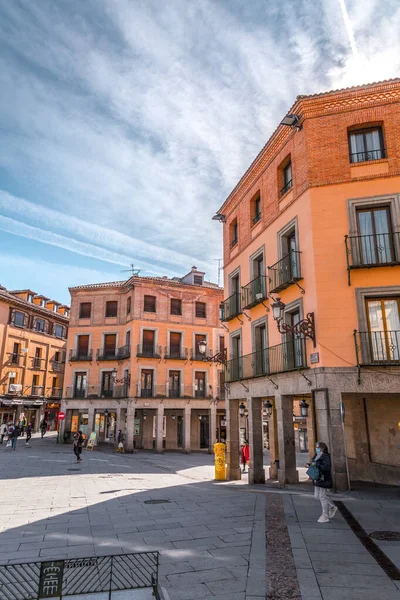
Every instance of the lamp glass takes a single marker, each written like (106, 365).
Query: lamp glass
(277, 309)
(242, 408)
(290, 120)
(304, 408)
(268, 407)
(202, 347)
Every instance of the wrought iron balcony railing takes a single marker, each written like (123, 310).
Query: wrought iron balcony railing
(98, 391)
(230, 308)
(374, 250)
(106, 354)
(377, 347)
(289, 356)
(285, 272)
(286, 187)
(57, 366)
(175, 353)
(55, 392)
(80, 355)
(37, 390)
(148, 351)
(254, 292)
(15, 359)
(356, 157)
(165, 391)
(195, 354)
(124, 352)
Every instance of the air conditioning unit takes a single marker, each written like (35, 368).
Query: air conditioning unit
(11, 374)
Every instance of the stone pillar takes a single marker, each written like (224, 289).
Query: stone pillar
(232, 439)
(118, 424)
(159, 428)
(213, 427)
(91, 411)
(256, 470)
(311, 428)
(273, 444)
(287, 472)
(130, 427)
(187, 429)
(330, 431)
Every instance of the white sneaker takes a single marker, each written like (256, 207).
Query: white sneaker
(323, 519)
(332, 512)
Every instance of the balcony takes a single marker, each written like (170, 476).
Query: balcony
(55, 392)
(124, 352)
(377, 348)
(37, 390)
(106, 354)
(285, 272)
(164, 391)
(254, 292)
(221, 392)
(148, 351)
(289, 356)
(356, 157)
(15, 359)
(97, 392)
(57, 366)
(80, 355)
(374, 250)
(172, 353)
(230, 308)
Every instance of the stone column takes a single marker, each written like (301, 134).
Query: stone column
(287, 472)
(311, 428)
(91, 411)
(273, 444)
(213, 426)
(187, 429)
(130, 426)
(232, 439)
(159, 428)
(256, 470)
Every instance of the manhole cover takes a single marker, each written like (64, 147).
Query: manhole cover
(156, 502)
(386, 536)
(73, 469)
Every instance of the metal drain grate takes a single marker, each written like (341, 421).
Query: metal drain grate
(386, 536)
(156, 501)
(73, 469)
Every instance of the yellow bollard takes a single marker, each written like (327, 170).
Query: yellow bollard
(220, 466)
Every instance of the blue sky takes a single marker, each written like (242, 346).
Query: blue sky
(124, 124)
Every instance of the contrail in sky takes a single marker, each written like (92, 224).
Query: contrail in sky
(349, 27)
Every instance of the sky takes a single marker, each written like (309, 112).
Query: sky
(124, 124)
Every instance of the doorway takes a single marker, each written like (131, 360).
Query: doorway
(204, 432)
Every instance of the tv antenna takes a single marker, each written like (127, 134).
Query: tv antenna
(131, 270)
(219, 261)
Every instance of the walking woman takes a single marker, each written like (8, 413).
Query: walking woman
(78, 444)
(322, 480)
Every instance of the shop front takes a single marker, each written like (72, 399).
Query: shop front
(7, 411)
(51, 411)
(18, 409)
(105, 423)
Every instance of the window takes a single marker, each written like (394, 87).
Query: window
(256, 209)
(375, 243)
(37, 359)
(59, 331)
(40, 325)
(110, 342)
(128, 305)
(148, 339)
(15, 354)
(175, 340)
(234, 233)
(176, 306)
(221, 344)
(366, 144)
(128, 339)
(57, 357)
(149, 304)
(83, 347)
(260, 347)
(174, 384)
(198, 280)
(54, 386)
(80, 385)
(35, 380)
(201, 310)
(85, 310)
(200, 384)
(287, 180)
(19, 319)
(107, 384)
(146, 383)
(383, 317)
(111, 308)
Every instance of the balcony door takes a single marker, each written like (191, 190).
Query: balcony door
(148, 342)
(375, 244)
(147, 383)
(384, 328)
(83, 346)
(110, 341)
(174, 384)
(236, 358)
(107, 382)
(200, 384)
(261, 353)
(80, 385)
(293, 355)
(175, 344)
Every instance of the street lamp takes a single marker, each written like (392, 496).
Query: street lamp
(123, 380)
(219, 358)
(291, 121)
(268, 407)
(242, 409)
(304, 408)
(305, 327)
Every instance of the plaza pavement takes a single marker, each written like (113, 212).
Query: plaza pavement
(211, 536)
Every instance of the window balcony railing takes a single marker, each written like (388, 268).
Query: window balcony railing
(15, 359)
(195, 354)
(221, 393)
(286, 187)
(97, 392)
(256, 218)
(55, 392)
(124, 352)
(165, 391)
(230, 308)
(289, 356)
(377, 347)
(106, 354)
(80, 355)
(37, 390)
(57, 366)
(37, 362)
(254, 292)
(285, 272)
(356, 157)
(373, 250)
(148, 351)
(175, 353)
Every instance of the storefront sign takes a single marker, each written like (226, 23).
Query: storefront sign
(61, 416)
(314, 358)
(74, 423)
(136, 430)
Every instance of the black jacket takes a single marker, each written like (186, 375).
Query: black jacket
(323, 465)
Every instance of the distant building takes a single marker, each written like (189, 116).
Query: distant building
(312, 288)
(133, 362)
(33, 334)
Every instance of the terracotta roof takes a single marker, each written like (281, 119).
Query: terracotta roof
(10, 297)
(364, 86)
(98, 285)
(136, 279)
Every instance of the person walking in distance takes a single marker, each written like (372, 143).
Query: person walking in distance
(321, 474)
(245, 455)
(43, 427)
(14, 437)
(28, 433)
(3, 432)
(78, 445)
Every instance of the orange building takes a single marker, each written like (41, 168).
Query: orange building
(134, 364)
(312, 287)
(33, 334)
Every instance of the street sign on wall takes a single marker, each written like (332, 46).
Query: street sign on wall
(61, 416)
